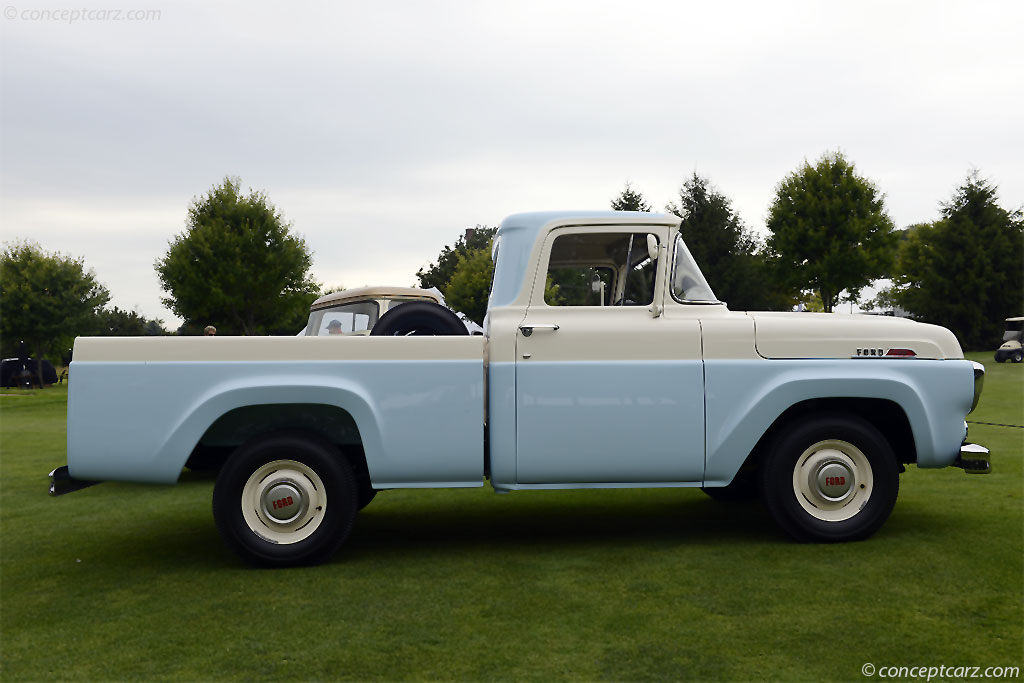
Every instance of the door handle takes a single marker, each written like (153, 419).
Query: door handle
(527, 330)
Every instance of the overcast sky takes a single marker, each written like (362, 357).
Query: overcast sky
(383, 129)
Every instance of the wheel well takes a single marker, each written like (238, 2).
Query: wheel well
(886, 416)
(236, 427)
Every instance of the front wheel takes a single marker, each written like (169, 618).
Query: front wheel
(285, 499)
(1017, 356)
(830, 478)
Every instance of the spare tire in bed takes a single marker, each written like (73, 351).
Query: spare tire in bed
(418, 318)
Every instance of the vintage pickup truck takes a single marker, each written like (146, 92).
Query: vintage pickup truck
(606, 362)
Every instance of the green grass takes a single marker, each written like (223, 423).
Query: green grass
(132, 582)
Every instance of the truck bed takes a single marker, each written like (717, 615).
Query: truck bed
(139, 406)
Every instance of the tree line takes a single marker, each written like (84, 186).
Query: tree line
(829, 237)
(238, 265)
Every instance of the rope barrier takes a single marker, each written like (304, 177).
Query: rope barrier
(994, 424)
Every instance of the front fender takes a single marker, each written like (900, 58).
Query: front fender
(744, 398)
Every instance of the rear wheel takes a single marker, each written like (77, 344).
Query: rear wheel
(830, 478)
(285, 499)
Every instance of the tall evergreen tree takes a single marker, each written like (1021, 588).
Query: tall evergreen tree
(725, 250)
(630, 200)
(966, 270)
(439, 274)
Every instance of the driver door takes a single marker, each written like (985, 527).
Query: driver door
(606, 393)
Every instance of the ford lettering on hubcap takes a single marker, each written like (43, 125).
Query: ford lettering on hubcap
(283, 502)
(835, 481)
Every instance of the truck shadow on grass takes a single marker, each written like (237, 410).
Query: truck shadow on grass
(408, 530)
(695, 522)
(478, 525)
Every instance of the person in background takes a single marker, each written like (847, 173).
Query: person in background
(334, 327)
(210, 331)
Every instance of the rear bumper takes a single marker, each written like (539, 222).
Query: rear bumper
(62, 482)
(973, 459)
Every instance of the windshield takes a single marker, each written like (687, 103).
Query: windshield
(1013, 330)
(688, 284)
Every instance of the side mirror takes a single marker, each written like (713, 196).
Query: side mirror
(652, 247)
(597, 286)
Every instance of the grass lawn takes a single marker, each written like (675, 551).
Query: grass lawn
(132, 582)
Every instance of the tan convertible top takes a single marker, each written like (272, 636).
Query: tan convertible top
(374, 293)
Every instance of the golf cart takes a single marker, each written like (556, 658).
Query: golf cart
(1013, 338)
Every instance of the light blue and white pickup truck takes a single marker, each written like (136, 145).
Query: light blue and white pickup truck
(606, 362)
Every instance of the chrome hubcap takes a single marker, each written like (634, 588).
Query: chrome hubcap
(284, 501)
(832, 480)
(835, 481)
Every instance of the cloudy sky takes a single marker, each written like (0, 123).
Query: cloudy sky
(383, 129)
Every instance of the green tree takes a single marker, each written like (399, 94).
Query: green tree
(237, 266)
(966, 270)
(829, 230)
(155, 328)
(728, 254)
(439, 274)
(46, 299)
(470, 286)
(117, 322)
(630, 200)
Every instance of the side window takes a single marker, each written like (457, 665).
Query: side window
(600, 269)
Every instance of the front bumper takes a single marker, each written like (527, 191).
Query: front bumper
(971, 461)
(62, 482)
(979, 384)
